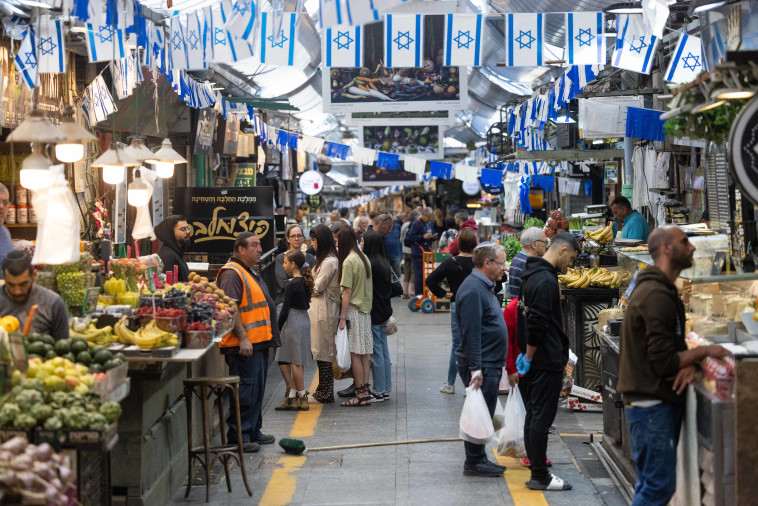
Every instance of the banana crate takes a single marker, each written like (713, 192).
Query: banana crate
(595, 278)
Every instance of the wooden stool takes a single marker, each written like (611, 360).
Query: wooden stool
(203, 388)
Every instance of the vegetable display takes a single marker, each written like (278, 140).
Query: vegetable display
(533, 222)
(35, 472)
(386, 84)
(402, 140)
(512, 247)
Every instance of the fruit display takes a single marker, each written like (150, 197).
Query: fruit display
(57, 374)
(10, 323)
(71, 287)
(204, 291)
(602, 236)
(597, 277)
(114, 287)
(148, 337)
(34, 473)
(93, 335)
(556, 223)
(635, 249)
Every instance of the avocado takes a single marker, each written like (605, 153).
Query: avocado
(62, 346)
(110, 365)
(120, 357)
(47, 340)
(95, 368)
(50, 354)
(70, 357)
(83, 357)
(103, 356)
(96, 349)
(78, 345)
(36, 348)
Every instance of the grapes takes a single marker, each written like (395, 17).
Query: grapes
(200, 312)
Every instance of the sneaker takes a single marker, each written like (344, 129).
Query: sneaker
(348, 392)
(487, 469)
(447, 388)
(378, 397)
(289, 404)
(386, 395)
(265, 439)
(302, 402)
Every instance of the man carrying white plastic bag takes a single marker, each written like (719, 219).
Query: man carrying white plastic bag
(480, 356)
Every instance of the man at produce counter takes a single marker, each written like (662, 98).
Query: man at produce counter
(655, 365)
(6, 244)
(20, 293)
(174, 235)
(246, 348)
(633, 224)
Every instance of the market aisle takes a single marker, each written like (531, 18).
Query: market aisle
(415, 474)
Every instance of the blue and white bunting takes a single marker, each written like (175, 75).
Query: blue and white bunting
(361, 12)
(524, 40)
(635, 46)
(403, 40)
(241, 20)
(26, 59)
(51, 50)
(126, 76)
(585, 43)
(154, 52)
(15, 27)
(277, 45)
(177, 45)
(343, 46)
(330, 13)
(225, 48)
(97, 101)
(687, 61)
(195, 28)
(104, 40)
(463, 39)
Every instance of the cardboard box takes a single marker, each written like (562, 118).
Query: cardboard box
(84, 439)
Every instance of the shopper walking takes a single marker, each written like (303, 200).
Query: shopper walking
(655, 366)
(462, 220)
(533, 243)
(419, 238)
(453, 270)
(480, 357)
(295, 329)
(355, 315)
(407, 259)
(372, 245)
(246, 348)
(324, 311)
(546, 346)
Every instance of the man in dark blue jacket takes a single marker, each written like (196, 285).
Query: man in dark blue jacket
(545, 348)
(390, 230)
(420, 236)
(480, 356)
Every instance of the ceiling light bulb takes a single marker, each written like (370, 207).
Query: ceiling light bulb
(35, 172)
(708, 106)
(137, 194)
(164, 170)
(733, 94)
(699, 6)
(597, 141)
(69, 153)
(625, 8)
(113, 174)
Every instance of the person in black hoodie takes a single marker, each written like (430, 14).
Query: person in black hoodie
(174, 235)
(541, 335)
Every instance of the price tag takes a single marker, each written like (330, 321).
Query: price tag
(90, 300)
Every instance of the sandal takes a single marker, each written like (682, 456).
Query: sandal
(362, 398)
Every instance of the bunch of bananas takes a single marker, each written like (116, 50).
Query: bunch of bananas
(598, 277)
(146, 338)
(602, 236)
(93, 335)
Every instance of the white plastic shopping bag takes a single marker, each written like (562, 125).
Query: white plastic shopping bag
(510, 443)
(498, 421)
(143, 227)
(504, 387)
(476, 423)
(343, 351)
(57, 221)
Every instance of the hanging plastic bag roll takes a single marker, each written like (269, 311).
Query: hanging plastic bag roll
(475, 423)
(143, 227)
(343, 351)
(510, 442)
(58, 229)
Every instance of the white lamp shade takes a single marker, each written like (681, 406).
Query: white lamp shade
(113, 174)
(69, 153)
(164, 169)
(35, 172)
(137, 197)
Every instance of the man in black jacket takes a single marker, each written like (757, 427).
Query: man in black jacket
(174, 235)
(541, 335)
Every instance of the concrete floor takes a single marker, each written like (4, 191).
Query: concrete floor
(409, 474)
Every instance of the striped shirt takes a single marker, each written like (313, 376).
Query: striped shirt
(514, 273)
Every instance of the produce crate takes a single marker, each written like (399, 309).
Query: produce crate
(171, 324)
(82, 439)
(11, 432)
(197, 339)
(113, 378)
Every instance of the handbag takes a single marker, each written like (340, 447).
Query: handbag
(397, 286)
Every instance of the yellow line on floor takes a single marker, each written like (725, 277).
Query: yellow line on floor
(516, 477)
(281, 486)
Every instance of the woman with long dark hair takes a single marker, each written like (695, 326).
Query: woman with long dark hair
(381, 310)
(355, 315)
(324, 311)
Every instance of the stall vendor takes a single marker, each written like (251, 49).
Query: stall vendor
(633, 224)
(174, 235)
(20, 293)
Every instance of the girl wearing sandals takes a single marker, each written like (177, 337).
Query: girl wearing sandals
(295, 327)
(357, 294)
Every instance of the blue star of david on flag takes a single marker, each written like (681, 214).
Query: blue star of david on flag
(691, 61)
(525, 39)
(193, 40)
(400, 37)
(176, 40)
(343, 40)
(105, 33)
(219, 37)
(638, 49)
(464, 42)
(31, 60)
(585, 41)
(282, 40)
(242, 7)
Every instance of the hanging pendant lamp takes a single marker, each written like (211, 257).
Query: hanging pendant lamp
(164, 159)
(113, 162)
(72, 148)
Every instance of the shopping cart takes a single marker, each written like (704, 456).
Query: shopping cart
(427, 301)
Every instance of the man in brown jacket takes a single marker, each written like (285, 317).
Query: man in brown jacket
(655, 366)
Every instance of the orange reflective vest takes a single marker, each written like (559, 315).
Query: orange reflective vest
(253, 308)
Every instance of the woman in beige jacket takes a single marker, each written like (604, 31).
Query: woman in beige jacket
(324, 311)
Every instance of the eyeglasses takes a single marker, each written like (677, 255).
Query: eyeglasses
(540, 240)
(297, 236)
(501, 264)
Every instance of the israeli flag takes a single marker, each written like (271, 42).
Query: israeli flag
(277, 45)
(154, 52)
(49, 48)
(463, 39)
(242, 19)
(196, 35)
(687, 62)
(127, 74)
(177, 45)
(97, 101)
(585, 43)
(361, 12)
(26, 59)
(343, 46)
(635, 45)
(104, 41)
(330, 13)
(403, 40)
(225, 48)
(524, 40)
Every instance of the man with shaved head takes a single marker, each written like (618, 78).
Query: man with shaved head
(655, 366)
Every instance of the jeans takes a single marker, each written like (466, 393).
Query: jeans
(542, 394)
(655, 434)
(381, 367)
(476, 454)
(418, 274)
(395, 264)
(252, 372)
(452, 369)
